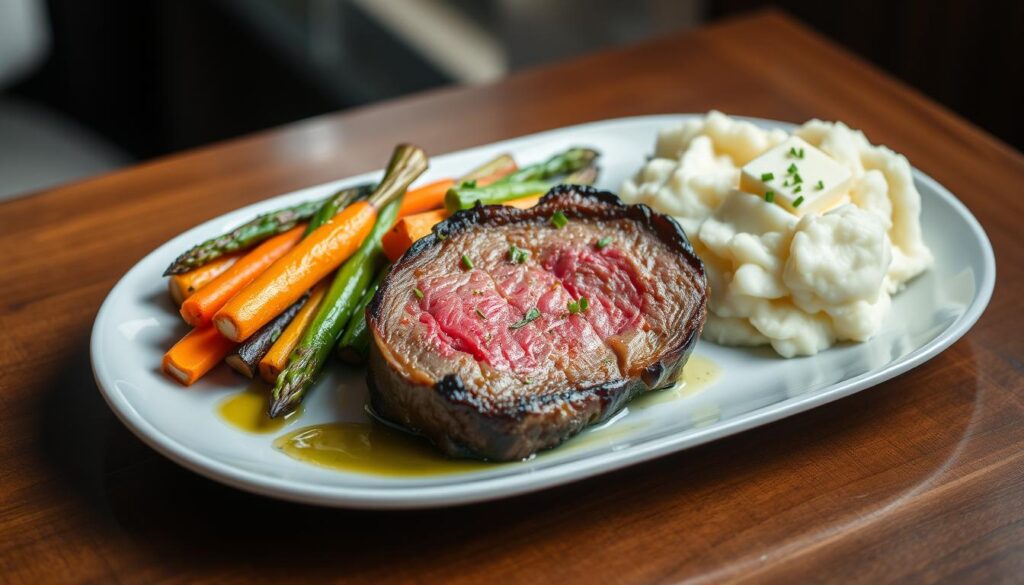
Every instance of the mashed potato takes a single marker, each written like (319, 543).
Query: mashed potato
(800, 284)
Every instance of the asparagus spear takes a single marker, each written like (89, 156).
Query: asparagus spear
(466, 197)
(352, 279)
(497, 193)
(560, 164)
(335, 203)
(355, 343)
(257, 230)
(245, 360)
(309, 355)
(529, 180)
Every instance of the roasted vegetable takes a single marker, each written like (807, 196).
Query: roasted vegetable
(409, 229)
(564, 163)
(529, 180)
(335, 203)
(182, 286)
(425, 198)
(491, 171)
(349, 286)
(319, 254)
(246, 358)
(257, 230)
(276, 358)
(496, 194)
(355, 342)
(199, 309)
(413, 227)
(195, 354)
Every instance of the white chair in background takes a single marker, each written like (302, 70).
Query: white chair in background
(39, 148)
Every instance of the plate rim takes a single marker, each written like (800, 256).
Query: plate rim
(432, 496)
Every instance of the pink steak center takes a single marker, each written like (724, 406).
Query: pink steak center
(481, 311)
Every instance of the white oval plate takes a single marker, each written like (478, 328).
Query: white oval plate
(137, 323)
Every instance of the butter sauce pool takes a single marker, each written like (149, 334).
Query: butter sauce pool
(374, 449)
(247, 411)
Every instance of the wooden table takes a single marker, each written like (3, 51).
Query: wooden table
(918, 479)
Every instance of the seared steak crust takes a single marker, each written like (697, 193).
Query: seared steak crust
(457, 357)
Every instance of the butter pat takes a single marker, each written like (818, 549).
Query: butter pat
(797, 176)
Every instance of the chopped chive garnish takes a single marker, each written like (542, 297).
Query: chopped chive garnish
(517, 255)
(480, 313)
(769, 196)
(800, 153)
(418, 293)
(792, 151)
(530, 315)
(798, 189)
(797, 179)
(785, 183)
(578, 306)
(466, 262)
(559, 220)
(767, 176)
(604, 242)
(819, 185)
(791, 168)
(798, 201)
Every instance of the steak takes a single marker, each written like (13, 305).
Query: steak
(501, 333)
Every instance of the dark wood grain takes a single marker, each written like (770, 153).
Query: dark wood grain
(918, 479)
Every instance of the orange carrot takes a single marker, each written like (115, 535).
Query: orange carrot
(429, 196)
(182, 286)
(409, 229)
(523, 202)
(199, 309)
(295, 272)
(322, 251)
(195, 354)
(493, 178)
(413, 227)
(277, 358)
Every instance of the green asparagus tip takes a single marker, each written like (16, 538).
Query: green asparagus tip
(284, 403)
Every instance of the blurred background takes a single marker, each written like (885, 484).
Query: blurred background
(87, 86)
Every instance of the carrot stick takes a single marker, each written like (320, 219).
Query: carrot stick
(318, 254)
(427, 197)
(199, 309)
(277, 358)
(493, 178)
(413, 227)
(523, 202)
(293, 274)
(195, 354)
(182, 286)
(409, 229)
